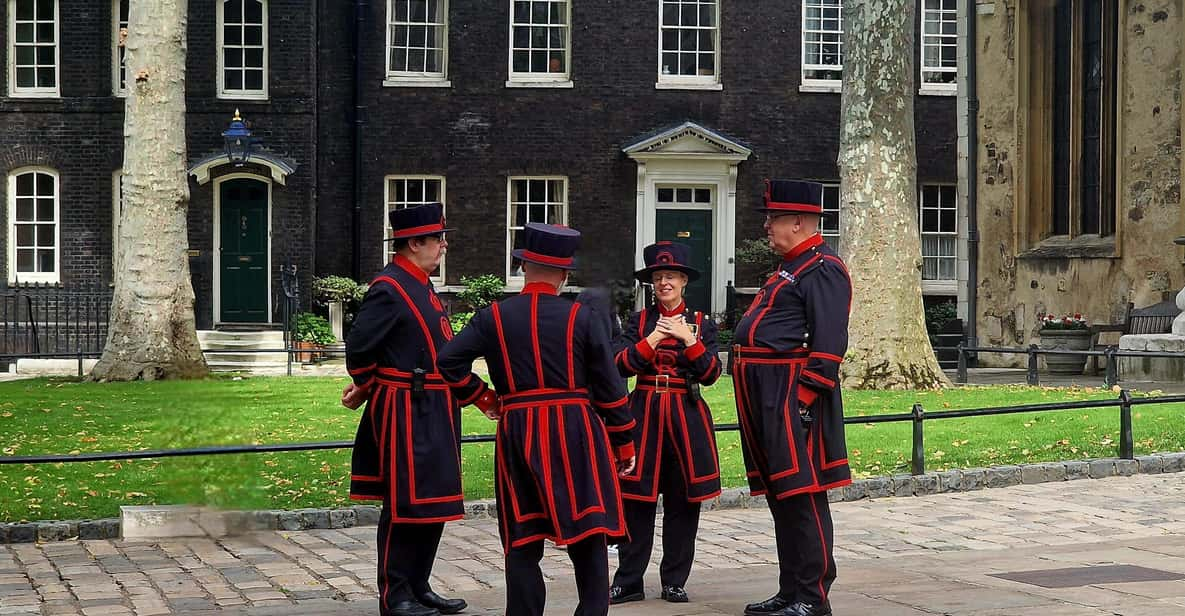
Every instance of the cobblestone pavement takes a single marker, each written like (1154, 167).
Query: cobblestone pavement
(914, 555)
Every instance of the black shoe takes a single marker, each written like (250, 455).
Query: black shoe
(674, 594)
(444, 606)
(411, 608)
(618, 594)
(803, 608)
(769, 606)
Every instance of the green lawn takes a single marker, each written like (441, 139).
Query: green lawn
(60, 416)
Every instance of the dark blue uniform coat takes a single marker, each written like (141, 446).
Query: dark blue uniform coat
(564, 417)
(661, 405)
(788, 349)
(408, 446)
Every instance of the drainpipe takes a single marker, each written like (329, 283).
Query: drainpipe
(356, 134)
(972, 179)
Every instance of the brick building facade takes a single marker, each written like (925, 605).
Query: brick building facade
(632, 121)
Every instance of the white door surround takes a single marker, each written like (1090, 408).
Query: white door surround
(690, 154)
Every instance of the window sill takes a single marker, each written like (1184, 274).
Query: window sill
(669, 85)
(30, 283)
(821, 88)
(934, 91)
(36, 95)
(406, 82)
(516, 83)
(243, 96)
(1065, 247)
(940, 287)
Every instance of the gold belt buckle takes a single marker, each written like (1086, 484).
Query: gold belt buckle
(665, 380)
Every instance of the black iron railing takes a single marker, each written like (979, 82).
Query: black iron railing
(49, 318)
(1032, 374)
(917, 416)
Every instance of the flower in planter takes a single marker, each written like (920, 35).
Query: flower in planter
(1066, 322)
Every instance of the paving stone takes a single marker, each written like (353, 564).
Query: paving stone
(902, 485)
(22, 533)
(342, 518)
(1152, 464)
(878, 487)
(1102, 468)
(1002, 476)
(1077, 469)
(1174, 462)
(950, 481)
(925, 484)
(1126, 468)
(289, 520)
(972, 479)
(366, 515)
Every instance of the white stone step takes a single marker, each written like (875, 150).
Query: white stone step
(246, 366)
(239, 338)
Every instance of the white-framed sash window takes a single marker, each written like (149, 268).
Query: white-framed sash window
(34, 230)
(33, 63)
(822, 45)
(242, 49)
(689, 44)
(540, 43)
(531, 199)
(417, 43)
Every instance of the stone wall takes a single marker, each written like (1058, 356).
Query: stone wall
(1018, 282)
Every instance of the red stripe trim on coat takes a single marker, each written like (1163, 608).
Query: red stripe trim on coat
(768, 304)
(623, 427)
(416, 311)
(827, 356)
(411, 462)
(823, 547)
(613, 405)
(535, 340)
(689, 461)
(843, 266)
(818, 377)
(696, 350)
(571, 354)
(502, 343)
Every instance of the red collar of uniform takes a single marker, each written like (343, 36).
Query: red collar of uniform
(411, 268)
(803, 246)
(541, 288)
(670, 313)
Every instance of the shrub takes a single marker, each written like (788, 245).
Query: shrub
(621, 293)
(758, 253)
(329, 289)
(938, 315)
(459, 320)
(481, 291)
(309, 327)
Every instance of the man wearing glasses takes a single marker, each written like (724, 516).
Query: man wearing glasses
(785, 369)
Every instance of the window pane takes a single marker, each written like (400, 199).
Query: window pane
(253, 35)
(24, 184)
(929, 220)
(555, 214)
(683, 195)
(234, 80)
(45, 235)
(518, 215)
(537, 190)
(254, 58)
(707, 15)
(558, 15)
(24, 9)
(947, 220)
(415, 191)
(24, 33)
(26, 78)
(24, 235)
(703, 195)
(26, 55)
(254, 11)
(522, 11)
(232, 35)
(24, 260)
(45, 210)
(518, 190)
(233, 11)
(45, 32)
(45, 9)
(254, 80)
(45, 78)
(233, 57)
(45, 55)
(45, 261)
(24, 209)
(666, 195)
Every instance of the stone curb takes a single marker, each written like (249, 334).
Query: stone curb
(941, 482)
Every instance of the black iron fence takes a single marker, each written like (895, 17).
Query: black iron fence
(917, 416)
(49, 318)
(1110, 356)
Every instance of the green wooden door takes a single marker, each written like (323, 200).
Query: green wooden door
(243, 251)
(694, 228)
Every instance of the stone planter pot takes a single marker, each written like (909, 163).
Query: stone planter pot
(336, 316)
(1069, 340)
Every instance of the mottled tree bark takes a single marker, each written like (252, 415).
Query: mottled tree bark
(888, 348)
(152, 333)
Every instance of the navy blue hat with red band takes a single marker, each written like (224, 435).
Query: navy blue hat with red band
(550, 245)
(668, 256)
(792, 197)
(417, 221)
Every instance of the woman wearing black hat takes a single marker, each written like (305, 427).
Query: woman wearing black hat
(673, 351)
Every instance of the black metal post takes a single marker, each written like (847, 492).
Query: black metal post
(919, 449)
(1032, 378)
(80, 363)
(961, 376)
(1111, 376)
(1126, 444)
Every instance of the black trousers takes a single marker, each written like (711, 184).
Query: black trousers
(526, 594)
(680, 523)
(804, 532)
(406, 554)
